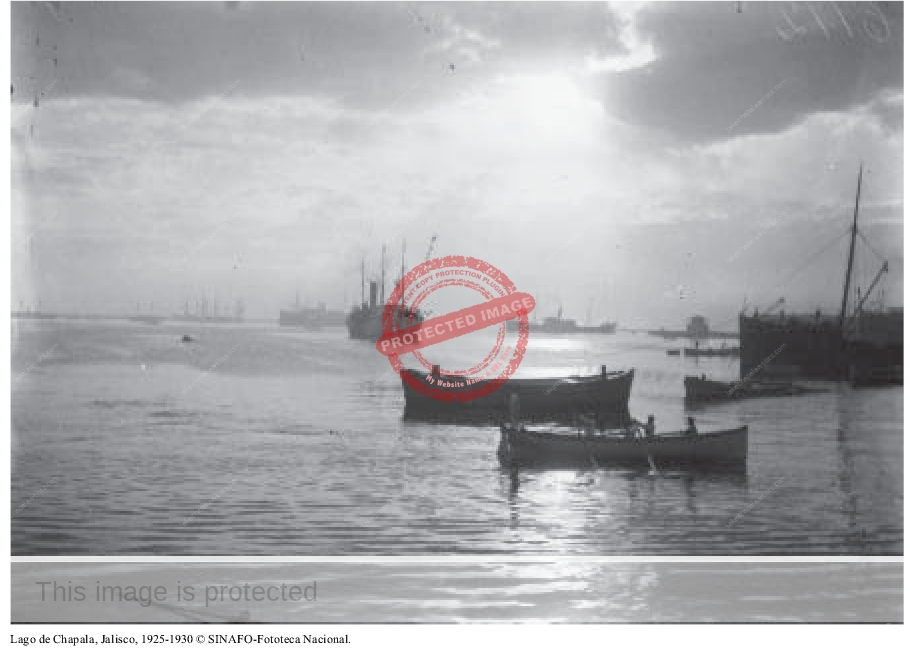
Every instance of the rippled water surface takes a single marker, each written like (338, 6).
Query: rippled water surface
(566, 591)
(264, 440)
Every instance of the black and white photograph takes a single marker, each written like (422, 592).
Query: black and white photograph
(554, 280)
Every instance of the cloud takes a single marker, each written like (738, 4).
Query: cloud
(461, 44)
(639, 52)
(714, 64)
(560, 175)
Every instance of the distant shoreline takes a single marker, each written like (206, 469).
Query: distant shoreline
(51, 316)
(683, 334)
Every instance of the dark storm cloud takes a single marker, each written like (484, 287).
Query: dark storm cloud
(173, 52)
(317, 132)
(367, 53)
(721, 73)
(718, 73)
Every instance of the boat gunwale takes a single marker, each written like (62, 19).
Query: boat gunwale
(529, 435)
(610, 376)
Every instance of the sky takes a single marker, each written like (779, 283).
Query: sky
(631, 162)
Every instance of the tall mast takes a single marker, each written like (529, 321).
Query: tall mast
(404, 246)
(843, 307)
(382, 275)
(362, 277)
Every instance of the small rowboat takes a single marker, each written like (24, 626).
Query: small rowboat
(552, 446)
(732, 351)
(700, 390)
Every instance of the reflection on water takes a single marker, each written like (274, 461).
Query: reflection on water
(606, 508)
(127, 441)
(486, 591)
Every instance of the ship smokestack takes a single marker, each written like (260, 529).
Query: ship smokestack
(374, 294)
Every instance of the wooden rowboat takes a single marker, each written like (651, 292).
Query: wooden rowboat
(700, 390)
(555, 446)
(732, 351)
(605, 397)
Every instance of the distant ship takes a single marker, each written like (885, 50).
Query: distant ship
(365, 322)
(311, 318)
(234, 315)
(862, 346)
(192, 318)
(43, 316)
(723, 351)
(148, 318)
(697, 328)
(557, 325)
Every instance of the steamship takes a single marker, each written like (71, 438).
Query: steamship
(861, 345)
(365, 322)
(310, 318)
(558, 325)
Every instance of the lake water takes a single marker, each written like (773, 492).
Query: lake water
(261, 440)
(578, 590)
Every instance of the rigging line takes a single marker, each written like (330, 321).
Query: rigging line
(869, 245)
(801, 268)
(812, 258)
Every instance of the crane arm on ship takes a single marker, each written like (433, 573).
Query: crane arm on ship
(777, 303)
(878, 276)
(430, 248)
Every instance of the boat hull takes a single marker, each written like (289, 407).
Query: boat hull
(604, 398)
(815, 347)
(790, 346)
(876, 355)
(711, 352)
(699, 390)
(366, 323)
(876, 376)
(565, 328)
(535, 448)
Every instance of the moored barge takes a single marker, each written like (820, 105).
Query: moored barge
(859, 345)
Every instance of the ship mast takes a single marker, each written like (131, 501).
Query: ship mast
(843, 307)
(404, 246)
(382, 275)
(362, 277)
